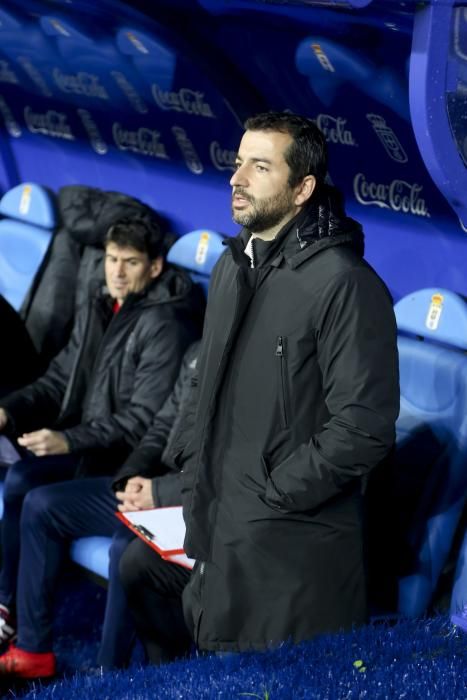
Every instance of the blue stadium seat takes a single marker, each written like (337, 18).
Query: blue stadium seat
(197, 252)
(92, 553)
(26, 231)
(432, 433)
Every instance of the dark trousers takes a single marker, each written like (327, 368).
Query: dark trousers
(154, 593)
(51, 517)
(20, 478)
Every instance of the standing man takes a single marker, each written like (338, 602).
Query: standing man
(298, 397)
(96, 400)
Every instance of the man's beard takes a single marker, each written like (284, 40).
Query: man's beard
(265, 213)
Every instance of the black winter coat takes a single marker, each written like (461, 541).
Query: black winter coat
(155, 456)
(298, 397)
(103, 389)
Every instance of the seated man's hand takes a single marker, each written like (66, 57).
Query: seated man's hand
(45, 442)
(137, 495)
(3, 418)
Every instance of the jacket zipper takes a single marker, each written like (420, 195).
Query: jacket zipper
(74, 371)
(281, 354)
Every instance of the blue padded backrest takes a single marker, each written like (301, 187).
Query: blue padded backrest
(431, 377)
(30, 203)
(432, 432)
(92, 553)
(197, 252)
(436, 314)
(25, 235)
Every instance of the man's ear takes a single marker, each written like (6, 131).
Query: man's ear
(157, 266)
(305, 190)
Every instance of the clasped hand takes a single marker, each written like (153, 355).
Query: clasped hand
(45, 442)
(137, 495)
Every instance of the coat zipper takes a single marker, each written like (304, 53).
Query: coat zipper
(281, 354)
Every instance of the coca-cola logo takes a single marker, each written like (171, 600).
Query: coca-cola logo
(398, 195)
(185, 100)
(222, 158)
(50, 123)
(80, 83)
(334, 129)
(192, 159)
(97, 142)
(143, 140)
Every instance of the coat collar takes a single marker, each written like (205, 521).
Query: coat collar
(321, 225)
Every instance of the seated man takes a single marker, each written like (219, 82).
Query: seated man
(54, 514)
(154, 588)
(99, 395)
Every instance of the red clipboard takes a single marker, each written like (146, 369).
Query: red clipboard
(163, 529)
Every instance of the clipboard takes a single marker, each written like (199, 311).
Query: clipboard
(163, 529)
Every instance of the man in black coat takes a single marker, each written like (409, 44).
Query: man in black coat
(100, 393)
(298, 397)
(151, 477)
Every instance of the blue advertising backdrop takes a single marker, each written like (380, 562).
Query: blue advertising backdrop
(150, 100)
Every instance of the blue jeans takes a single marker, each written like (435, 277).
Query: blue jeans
(21, 477)
(52, 516)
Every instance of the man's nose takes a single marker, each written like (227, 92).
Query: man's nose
(120, 269)
(239, 178)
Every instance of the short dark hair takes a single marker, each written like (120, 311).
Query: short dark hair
(307, 154)
(141, 234)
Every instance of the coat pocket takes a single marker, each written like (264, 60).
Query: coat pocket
(282, 380)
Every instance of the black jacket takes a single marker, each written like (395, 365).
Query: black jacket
(103, 389)
(155, 456)
(298, 397)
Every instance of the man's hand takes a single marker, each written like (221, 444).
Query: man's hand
(137, 495)
(45, 442)
(3, 418)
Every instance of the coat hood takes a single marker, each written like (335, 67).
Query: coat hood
(88, 212)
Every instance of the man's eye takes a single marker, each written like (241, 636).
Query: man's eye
(261, 169)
